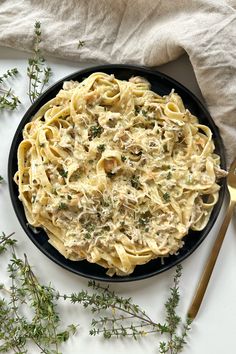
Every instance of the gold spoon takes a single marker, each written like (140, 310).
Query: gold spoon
(202, 285)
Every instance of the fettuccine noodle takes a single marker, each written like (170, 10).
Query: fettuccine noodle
(116, 174)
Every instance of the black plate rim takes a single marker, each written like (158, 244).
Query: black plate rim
(29, 113)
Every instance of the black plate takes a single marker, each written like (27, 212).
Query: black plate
(162, 84)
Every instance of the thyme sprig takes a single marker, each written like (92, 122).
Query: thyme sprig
(8, 100)
(120, 317)
(122, 310)
(42, 325)
(175, 343)
(38, 73)
(116, 316)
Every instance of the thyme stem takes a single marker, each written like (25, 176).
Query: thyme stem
(3, 239)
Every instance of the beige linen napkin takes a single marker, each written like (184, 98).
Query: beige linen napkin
(146, 32)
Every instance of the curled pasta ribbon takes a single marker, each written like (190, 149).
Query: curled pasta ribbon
(110, 162)
(171, 110)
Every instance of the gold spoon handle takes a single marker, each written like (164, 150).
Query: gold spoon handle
(202, 285)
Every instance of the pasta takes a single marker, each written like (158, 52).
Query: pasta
(116, 174)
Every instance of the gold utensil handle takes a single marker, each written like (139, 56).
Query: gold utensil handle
(202, 285)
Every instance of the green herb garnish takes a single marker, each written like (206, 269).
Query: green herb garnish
(63, 173)
(119, 317)
(62, 206)
(135, 182)
(144, 218)
(144, 113)
(95, 131)
(7, 98)
(26, 294)
(115, 316)
(169, 175)
(90, 227)
(166, 197)
(101, 148)
(143, 221)
(38, 73)
(80, 45)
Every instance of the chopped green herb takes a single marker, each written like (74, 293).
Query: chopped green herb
(101, 148)
(87, 236)
(137, 110)
(90, 227)
(144, 113)
(63, 173)
(62, 206)
(95, 130)
(169, 175)
(69, 197)
(166, 196)
(80, 44)
(123, 158)
(135, 182)
(144, 218)
(105, 203)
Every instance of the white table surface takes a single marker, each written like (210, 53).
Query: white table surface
(213, 331)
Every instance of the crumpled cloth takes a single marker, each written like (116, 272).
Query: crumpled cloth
(145, 32)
